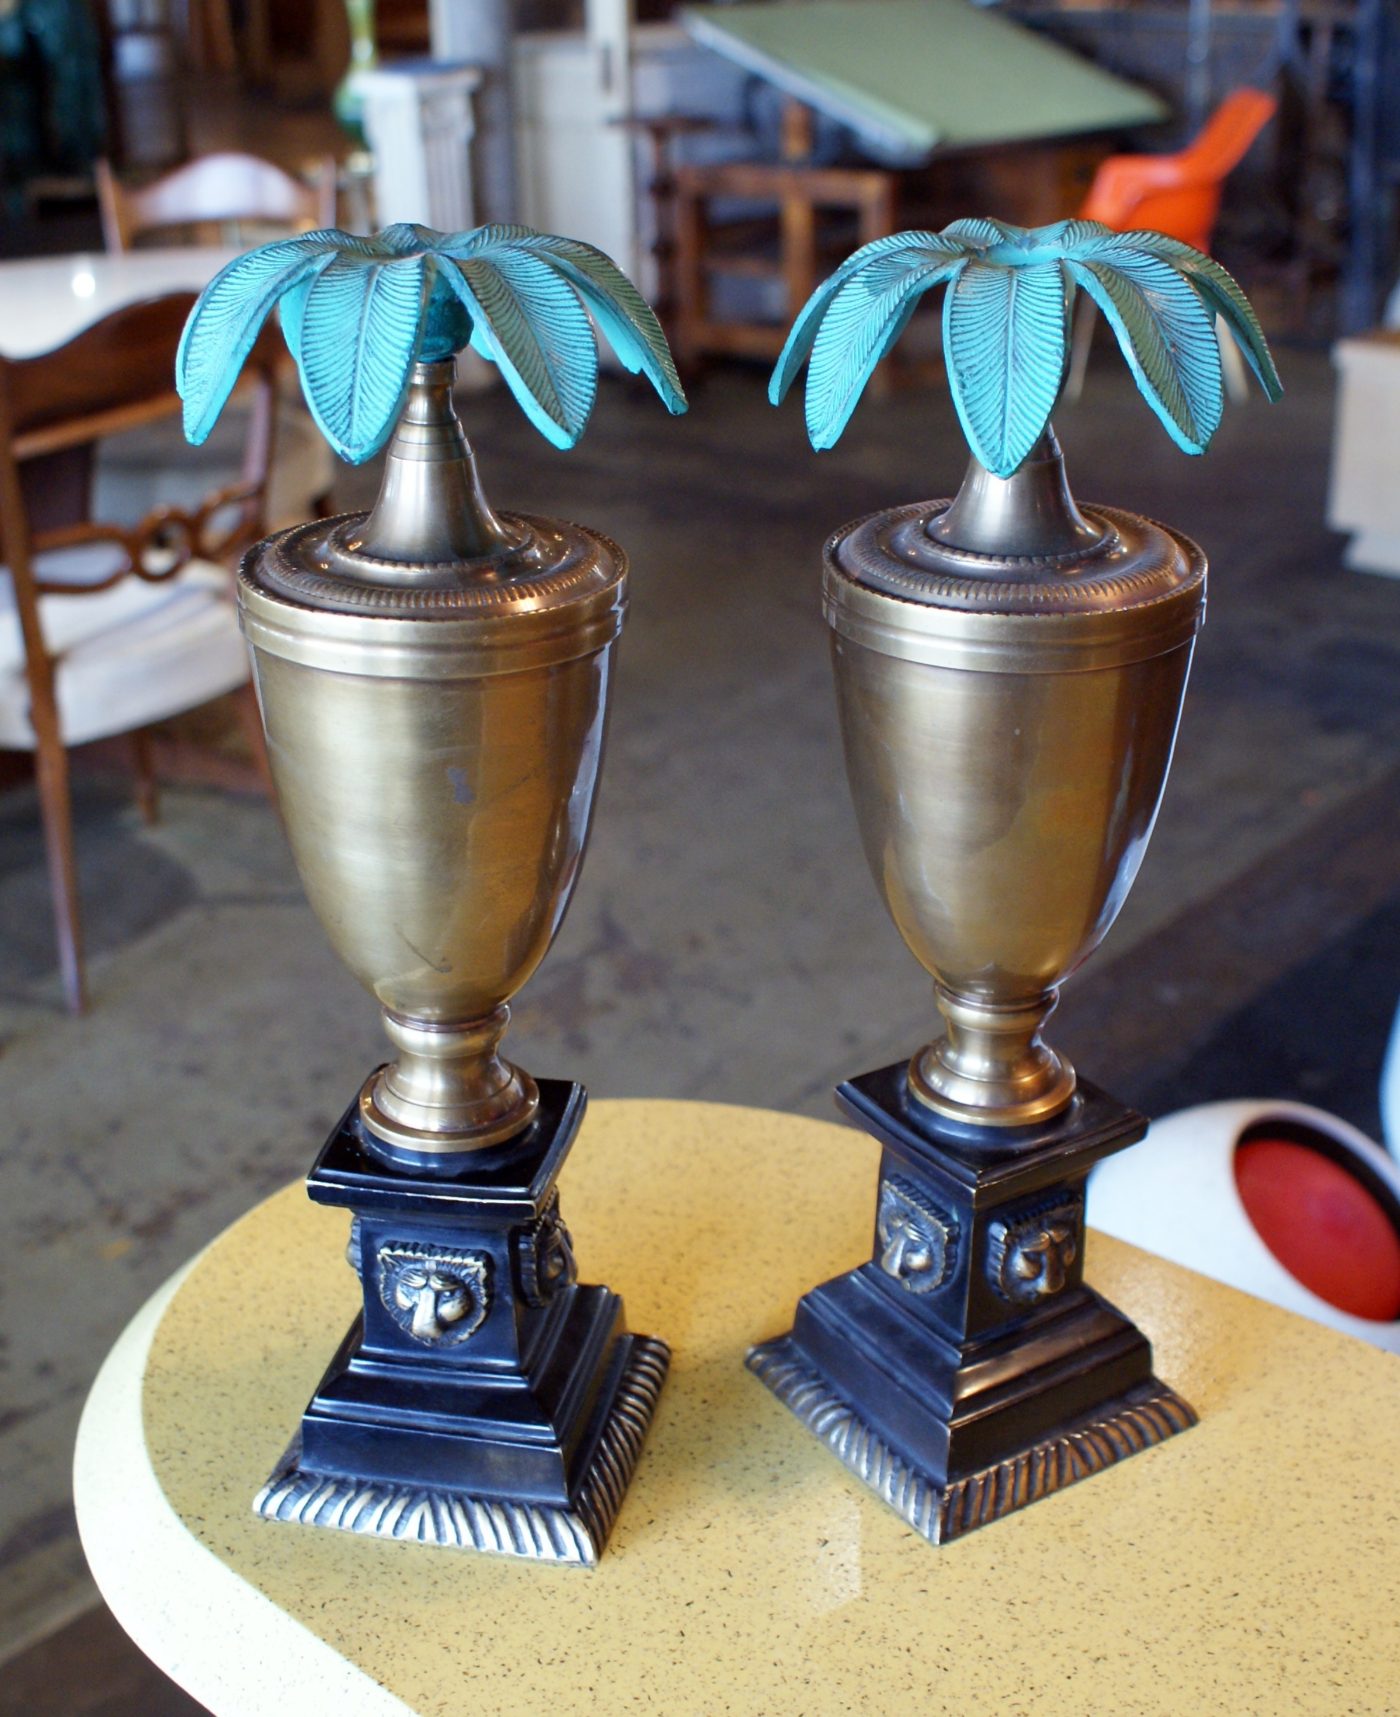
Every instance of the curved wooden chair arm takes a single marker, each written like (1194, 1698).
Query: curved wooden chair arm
(162, 544)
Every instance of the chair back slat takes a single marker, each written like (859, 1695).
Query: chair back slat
(222, 190)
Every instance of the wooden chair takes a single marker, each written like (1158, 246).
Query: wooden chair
(800, 192)
(220, 194)
(106, 628)
(221, 199)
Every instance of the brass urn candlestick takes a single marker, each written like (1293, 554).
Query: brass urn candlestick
(434, 680)
(1010, 670)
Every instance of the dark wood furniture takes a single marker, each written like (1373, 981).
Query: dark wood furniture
(143, 72)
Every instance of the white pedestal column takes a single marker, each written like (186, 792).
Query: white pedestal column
(1364, 497)
(481, 33)
(418, 119)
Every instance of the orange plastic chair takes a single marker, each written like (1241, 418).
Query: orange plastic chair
(1180, 194)
(1175, 194)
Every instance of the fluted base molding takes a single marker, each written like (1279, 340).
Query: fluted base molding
(431, 1515)
(1145, 1415)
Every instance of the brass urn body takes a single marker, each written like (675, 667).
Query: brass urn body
(434, 685)
(1010, 673)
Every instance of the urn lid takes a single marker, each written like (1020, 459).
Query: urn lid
(431, 575)
(1012, 575)
(542, 565)
(432, 580)
(311, 594)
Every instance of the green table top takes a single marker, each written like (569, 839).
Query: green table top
(911, 76)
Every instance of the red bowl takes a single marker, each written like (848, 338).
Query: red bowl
(1325, 1227)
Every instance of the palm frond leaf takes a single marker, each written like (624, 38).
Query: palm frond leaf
(1167, 339)
(225, 323)
(356, 330)
(1080, 239)
(1006, 327)
(357, 312)
(980, 232)
(1187, 326)
(1222, 296)
(1005, 338)
(461, 245)
(867, 314)
(628, 322)
(531, 324)
(803, 333)
(404, 238)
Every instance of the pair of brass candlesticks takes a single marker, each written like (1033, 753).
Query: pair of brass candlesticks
(434, 682)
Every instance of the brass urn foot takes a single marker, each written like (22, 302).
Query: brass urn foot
(483, 1399)
(449, 1093)
(966, 1370)
(991, 1069)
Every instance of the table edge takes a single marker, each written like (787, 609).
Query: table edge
(137, 1547)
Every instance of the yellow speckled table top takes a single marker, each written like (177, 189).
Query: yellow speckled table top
(1251, 1565)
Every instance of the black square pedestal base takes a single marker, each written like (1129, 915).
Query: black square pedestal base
(483, 1399)
(966, 1370)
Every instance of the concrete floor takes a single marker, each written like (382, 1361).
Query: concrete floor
(726, 942)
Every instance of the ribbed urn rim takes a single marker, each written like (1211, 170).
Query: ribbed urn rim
(1135, 561)
(309, 595)
(321, 565)
(1134, 592)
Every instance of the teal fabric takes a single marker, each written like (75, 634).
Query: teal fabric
(916, 75)
(51, 105)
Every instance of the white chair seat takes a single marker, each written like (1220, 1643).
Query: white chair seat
(127, 656)
(154, 466)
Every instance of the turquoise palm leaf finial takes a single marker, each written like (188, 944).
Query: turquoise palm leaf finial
(1006, 319)
(358, 312)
